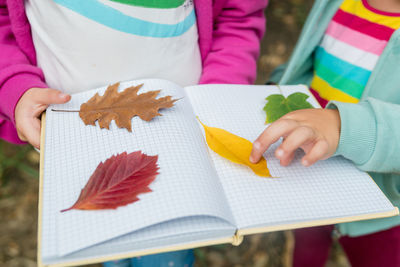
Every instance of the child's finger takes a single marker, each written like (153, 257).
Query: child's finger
(294, 140)
(318, 152)
(287, 160)
(50, 96)
(270, 135)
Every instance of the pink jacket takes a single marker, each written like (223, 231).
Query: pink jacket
(229, 39)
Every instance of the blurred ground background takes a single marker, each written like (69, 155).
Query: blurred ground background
(19, 176)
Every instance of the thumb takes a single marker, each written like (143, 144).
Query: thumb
(30, 131)
(50, 96)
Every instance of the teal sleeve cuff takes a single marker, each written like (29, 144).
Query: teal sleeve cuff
(358, 131)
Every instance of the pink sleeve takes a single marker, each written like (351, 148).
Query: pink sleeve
(17, 74)
(235, 47)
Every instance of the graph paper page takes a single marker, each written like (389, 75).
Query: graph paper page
(186, 230)
(332, 188)
(185, 186)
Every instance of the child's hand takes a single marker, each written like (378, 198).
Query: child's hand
(316, 131)
(29, 108)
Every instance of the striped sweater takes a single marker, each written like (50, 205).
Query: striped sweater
(350, 48)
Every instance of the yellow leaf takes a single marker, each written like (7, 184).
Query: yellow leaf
(234, 148)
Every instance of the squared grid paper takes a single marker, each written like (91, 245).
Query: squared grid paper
(153, 244)
(332, 188)
(73, 151)
(184, 229)
(179, 226)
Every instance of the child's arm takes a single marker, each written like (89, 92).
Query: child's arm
(238, 29)
(370, 134)
(18, 73)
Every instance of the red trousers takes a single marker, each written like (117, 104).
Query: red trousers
(381, 249)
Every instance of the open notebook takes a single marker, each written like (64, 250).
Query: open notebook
(199, 198)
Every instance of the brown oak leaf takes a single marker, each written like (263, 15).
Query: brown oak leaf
(123, 106)
(118, 182)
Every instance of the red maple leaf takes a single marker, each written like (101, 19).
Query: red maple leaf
(118, 182)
